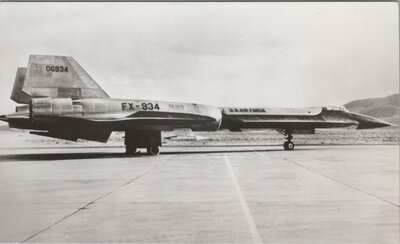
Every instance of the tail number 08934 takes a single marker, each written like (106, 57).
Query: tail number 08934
(56, 68)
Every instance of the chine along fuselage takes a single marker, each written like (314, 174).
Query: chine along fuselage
(62, 101)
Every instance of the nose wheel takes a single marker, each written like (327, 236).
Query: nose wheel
(288, 145)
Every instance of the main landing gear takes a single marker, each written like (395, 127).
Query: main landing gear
(142, 139)
(287, 145)
(153, 150)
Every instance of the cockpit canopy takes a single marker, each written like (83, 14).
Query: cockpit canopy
(337, 108)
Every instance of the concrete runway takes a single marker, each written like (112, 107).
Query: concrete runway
(334, 194)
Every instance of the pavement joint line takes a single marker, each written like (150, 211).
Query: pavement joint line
(249, 218)
(68, 146)
(92, 202)
(335, 180)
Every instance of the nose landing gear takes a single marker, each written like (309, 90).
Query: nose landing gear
(287, 145)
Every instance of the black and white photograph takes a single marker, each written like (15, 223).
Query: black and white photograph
(199, 122)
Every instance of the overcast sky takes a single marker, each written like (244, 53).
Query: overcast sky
(250, 54)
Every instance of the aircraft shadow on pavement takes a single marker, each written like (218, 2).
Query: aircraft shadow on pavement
(94, 155)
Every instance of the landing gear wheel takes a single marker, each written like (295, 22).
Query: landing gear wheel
(153, 150)
(130, 150)
(288, 145)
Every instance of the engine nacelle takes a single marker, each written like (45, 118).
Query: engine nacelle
(50, 107)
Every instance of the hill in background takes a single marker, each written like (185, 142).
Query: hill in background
(386, 108)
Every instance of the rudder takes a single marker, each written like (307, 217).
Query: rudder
(17, 94)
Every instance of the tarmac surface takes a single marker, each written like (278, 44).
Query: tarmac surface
(335, 194)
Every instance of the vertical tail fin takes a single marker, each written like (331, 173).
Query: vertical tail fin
(54, 76)
(17, 94)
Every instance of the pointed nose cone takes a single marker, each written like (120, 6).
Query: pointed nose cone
(371, 125)
(367, 122)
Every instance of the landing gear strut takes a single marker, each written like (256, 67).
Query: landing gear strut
(135, 139)
(287, 145)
